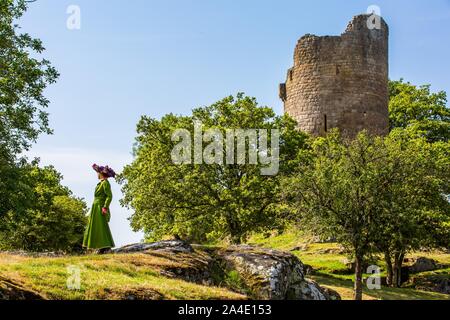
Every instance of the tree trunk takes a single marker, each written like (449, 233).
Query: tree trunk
(399, 268)
(235, 239)
(358, 278)
(398, 262)
(389, 270)
(234, 233)
(396, 274)
(233, 228)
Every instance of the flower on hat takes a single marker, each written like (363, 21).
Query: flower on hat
(105, 170)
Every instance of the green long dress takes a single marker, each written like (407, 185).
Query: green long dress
(98, 235)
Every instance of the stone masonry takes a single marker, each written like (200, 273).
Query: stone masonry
(340, 81)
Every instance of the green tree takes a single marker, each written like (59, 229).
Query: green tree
(206, 201)
(415, 213)
(334, 193)
(419, 110)
(417, 219)
(23, 80)
(15, 194)
(56, 220)
(373, 194)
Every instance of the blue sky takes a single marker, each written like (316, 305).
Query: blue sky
(154, 57)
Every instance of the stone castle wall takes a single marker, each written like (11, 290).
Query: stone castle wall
(340, 81)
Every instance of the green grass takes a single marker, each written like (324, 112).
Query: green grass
(285, 241)
(345, 289)
(311, 253)
(107, 277)
(328, 262)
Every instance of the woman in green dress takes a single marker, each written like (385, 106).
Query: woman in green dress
(98, 235)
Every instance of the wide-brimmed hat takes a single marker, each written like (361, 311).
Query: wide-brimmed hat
(105, 170)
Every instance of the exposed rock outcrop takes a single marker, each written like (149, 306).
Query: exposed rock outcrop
(435, 283)
(130, 294)
(423, 264)
(13, 291)
(265, 274)
(272, 274)
(189, 265)
(332, 294)
(167, 245)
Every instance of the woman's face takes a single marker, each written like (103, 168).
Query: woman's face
(101, 176)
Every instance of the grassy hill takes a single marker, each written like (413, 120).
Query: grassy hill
(131, 276)
(151, 275)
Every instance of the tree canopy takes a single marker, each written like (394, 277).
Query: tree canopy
(373, 194)
(37, 212)
(205, 201)
(419, 110)
(23, 80)
(55, 220)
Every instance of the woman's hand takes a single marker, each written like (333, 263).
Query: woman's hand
(104, 210)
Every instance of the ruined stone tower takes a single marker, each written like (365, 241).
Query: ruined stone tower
(340, 81)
